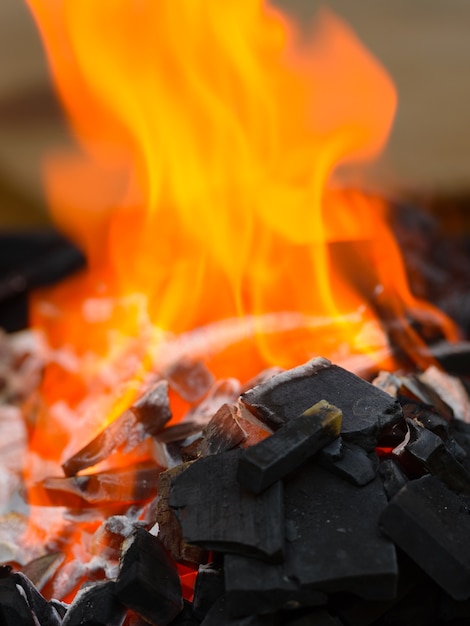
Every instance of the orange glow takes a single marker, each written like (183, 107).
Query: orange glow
(201, 191)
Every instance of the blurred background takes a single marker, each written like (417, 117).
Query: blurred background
(425, 46)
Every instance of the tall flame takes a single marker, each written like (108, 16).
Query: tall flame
(208, 134)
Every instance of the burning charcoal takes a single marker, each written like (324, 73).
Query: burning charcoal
(392, 476)
(222, 432)
(190, 379)
(108, 539)
(171, 534)
(59, 607)
(14, 609)
(366, 409)
(148, 582)
(224, 391)
(255, 430)
(253, 586)
(429, 523)
(209, 586)
(41, 570)
(217, 513)
(428, 449)
(355, 465)
(152, 409)
(450, 390)
(96, 605)
(333, 542)
(191, 451)
(42, 610)
(300, 438)
(132, 484)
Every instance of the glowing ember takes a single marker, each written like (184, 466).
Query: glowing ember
(202, 194)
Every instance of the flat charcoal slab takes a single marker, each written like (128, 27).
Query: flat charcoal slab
(287, 448)
(216, 512)
(333, 538)
(366, 409)
(430, 524)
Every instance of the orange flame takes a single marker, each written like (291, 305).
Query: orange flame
(208, 135)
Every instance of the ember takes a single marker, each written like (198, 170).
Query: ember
(200, 448)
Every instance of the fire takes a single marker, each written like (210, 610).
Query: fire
(203, 191)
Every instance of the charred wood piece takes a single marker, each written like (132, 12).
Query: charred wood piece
(216, 512)
(223, 432)
(392, 477)
(152, 408)
(96, 605)
(170, 531)
(290, 446)
(430, 524)
(366, 409)
(190, 379)
(355, 465)
(148, 582)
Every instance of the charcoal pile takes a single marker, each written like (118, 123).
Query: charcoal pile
(307, 497)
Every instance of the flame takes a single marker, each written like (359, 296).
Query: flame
(203, 192)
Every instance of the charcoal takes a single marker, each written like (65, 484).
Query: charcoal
(59, 607)
(332, 451)
(333, 542)
(427, 448)
(264, 375)
(43, 611)
(219, 615)
(218, 514)
(392, 477)
(170, 533)
(14, 609)
(355, 465)
(253, 586)
(430, 524)
(191, 451)
(179, 432)
(148, 582)
(292, 444)
(186, 617)
(209, 586)
(189, 378)
(41, 570)
(366, 409)
(416, 389)
(222, 391)
(128, 484)
(455, 449)
(255, 430)
(108, 538)
(426, 416)
(222, 432)
(152, 409)
(449, 389)
(96, 605)
(318, 617)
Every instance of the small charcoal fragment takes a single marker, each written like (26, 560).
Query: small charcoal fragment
(366, 409)
(170, 533)
(253, 586)
(96, 605)
(222, 432)
(291, 445)
(148, 582)
(392, 476)
(354, 465)
(14, 609)
(209, 586)
(189, 378)
(152, 409)
(430, 524)
(217, 513)
(332, 451)
(254, 429)
(427, 448)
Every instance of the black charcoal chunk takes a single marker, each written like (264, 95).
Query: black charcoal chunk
(148, 582)
(170, 531)
(426, 416)
(219, 615)
(430, 524)
(186, 617)
(427, 448)
(152, 409)
(355, 465)
(96, 605)
(216, 512)
(318, 617)
(14, 609)
(208, 588)
(392, 477)
(271, 459)
(222, 433)
(332, 451)
(253, 586)
(43, 611)
(333, 541)
(366, 409)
